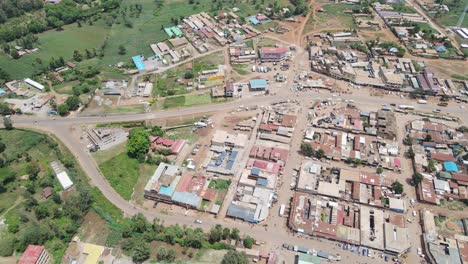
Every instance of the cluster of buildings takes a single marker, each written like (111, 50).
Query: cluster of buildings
(403, 25)
(436, 149)
(344, 62)
(349, 185)
(161, 144)
(255, 191)
(360, 225)
(171, 184)
(349, 135)
(444, 247)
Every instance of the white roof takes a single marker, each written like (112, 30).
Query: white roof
(34, 84)
(64, 180)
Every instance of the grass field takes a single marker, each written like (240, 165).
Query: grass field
(334, 16)
(122, 174)
(55, 44)
(187, 100)
(241, 69)
(456, 10)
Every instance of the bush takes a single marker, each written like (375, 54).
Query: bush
(249, 242)
(235, 257)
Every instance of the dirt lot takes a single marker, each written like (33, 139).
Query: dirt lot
(94, 229)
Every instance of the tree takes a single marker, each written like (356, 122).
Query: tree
(77, 56)
(63, 109)
(379, 170)
(319, 153)
(428, 138)
(216, 233)
(417, 178)
(164, 255)
(141, 252)
(397, 187)
(226, 233)
(14, 54)
(431, 166)
(157, 131)
(122, 50)
(73, 102)
(411, 153)
(235, 257)
(138, 143)
(188, 75)
(2, 147)
(41, 211)
(307, 149)
(33, 170)
(235, 234)
(7, 123)
(249, 242)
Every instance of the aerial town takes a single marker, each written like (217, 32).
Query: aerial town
(233, 132)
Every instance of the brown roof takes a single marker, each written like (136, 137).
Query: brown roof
(47, 192)
(71, 64)
(442, 157)
(289, 120)
(458, 176)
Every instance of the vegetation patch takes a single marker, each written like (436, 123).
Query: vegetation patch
(122, 173)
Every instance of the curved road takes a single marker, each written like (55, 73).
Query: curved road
(61, 128)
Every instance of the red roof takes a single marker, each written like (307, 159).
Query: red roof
(458, 176)
(273, 50)
(368, 178)
(31, 254)
(442, 157)
(177, 146)
(209, 194)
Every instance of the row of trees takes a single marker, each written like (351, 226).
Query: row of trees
(309, 151)
(57, 15)
(138, 233)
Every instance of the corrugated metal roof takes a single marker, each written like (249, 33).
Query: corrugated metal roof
(187, 198)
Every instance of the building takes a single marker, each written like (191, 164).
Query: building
(274, 54)
(62, 175)
(386, 125)
(307, 259)
(34, 84)
(258, 84)
(35, 255)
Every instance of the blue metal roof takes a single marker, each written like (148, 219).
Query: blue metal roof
(450, 166)
(440, 48)
(233, 156)
(138, 62)
(2, 92)
(220, 159)
(258, 83)
(164, 190)
(262, 182)
(187, 198)
(229, 164)
(255, 171)
(254, 20)
(245, 214)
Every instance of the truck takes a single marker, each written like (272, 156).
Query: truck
(282, 208)
(421, 101)
(301, 249)
(406, 107)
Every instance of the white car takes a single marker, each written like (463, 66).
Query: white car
(198, 221)
(369, 253)
(419, 251)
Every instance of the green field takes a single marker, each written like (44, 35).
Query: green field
(187, 100)
(334, 16)
(456, 10)
(55, 44)
(122, 174)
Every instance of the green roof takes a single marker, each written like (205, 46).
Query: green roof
(445, 175)
(308, 259)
